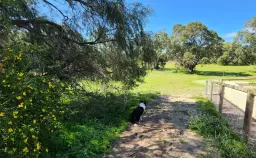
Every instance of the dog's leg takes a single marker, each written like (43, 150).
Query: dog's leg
(142, 116)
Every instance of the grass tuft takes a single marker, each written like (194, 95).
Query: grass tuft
(212, 126)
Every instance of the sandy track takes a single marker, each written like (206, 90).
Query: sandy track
(162, 132)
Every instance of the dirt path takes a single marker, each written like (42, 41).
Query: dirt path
(162, 132)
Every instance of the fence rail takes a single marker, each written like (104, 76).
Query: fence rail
(248, 111)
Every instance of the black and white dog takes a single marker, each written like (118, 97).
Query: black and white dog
(137, 113)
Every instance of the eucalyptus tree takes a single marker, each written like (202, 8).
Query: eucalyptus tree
(161, 41)
(246, 41)
(197, 39)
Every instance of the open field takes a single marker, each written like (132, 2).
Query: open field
(168, 82)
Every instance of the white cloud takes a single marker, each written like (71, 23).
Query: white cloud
(230, 35)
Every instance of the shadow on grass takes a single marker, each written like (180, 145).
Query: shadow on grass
(93, 122)
(165, 69)
(219, 73)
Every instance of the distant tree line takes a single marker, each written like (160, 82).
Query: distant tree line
(194, 44)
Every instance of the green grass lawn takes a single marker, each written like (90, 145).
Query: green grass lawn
(169, 82)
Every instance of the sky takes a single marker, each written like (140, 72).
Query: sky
(226, 17)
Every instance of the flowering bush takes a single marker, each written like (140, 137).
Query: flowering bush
(30, 107)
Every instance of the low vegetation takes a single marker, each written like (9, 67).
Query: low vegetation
(88, 130)
(224, 140)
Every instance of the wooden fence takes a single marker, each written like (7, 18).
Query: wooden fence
(248, 111)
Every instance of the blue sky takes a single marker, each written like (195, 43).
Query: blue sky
(226, 17)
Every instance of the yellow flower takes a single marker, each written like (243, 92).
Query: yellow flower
(34, 121)
(20, 105)
(54, 117)
(1, 113)
(25, 150)
(10, 123)
(18, 97)
(50, 85)
(24, 93)
(15, 113)
(18, 58)
(20, 74)
(10, 130)
(38, 147)
(34, 150)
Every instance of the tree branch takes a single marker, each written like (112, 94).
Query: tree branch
(66, 17)
(26, 23)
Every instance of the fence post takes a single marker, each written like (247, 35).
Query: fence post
(248, 115)
(221, 97)
(211, 90)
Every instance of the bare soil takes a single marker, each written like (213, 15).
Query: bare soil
(163, 132)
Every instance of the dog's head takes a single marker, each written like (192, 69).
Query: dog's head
(142, 104)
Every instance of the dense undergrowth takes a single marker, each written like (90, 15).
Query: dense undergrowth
(42, 116)
(222, 138)
(89, 127)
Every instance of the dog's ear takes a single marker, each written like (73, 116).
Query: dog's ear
(143, 102)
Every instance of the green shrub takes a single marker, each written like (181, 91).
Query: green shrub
(189, 61)
(89, 129)
(30, 108)
(213, 61)
(42, 117)
(223, 60)
(204, 60)
(162, 60)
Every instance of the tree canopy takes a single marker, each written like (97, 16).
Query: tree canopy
(242, 50)
(161, 41)
(79, 38)
(195, 38)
